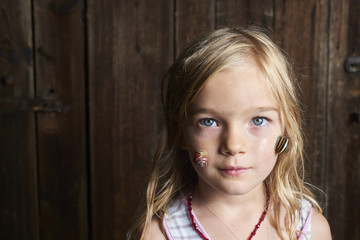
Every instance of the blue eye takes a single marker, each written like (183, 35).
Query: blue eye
(208, 122)
(258, 121)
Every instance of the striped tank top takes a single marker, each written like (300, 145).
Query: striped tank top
(177, 222)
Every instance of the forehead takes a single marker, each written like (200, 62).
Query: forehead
(234, 89)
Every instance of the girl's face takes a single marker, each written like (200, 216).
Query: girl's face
(237, 121)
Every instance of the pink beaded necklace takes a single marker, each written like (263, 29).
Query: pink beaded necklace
(252, 234)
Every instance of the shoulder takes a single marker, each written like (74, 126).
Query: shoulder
(320, 227)
(154, 232)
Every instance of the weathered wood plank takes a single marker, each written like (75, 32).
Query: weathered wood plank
(193, 17)
(18, 171)
(60, 61)
(301, 29)
(130, 47)
(343, 138)
(242, 13)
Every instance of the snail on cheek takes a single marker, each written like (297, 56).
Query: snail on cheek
(200, 158)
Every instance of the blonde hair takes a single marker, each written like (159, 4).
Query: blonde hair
(172, 171)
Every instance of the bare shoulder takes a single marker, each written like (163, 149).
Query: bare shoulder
(155, 230)
(320, 228)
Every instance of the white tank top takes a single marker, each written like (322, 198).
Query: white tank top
(178, 225)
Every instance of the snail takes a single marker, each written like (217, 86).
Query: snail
(200, 158)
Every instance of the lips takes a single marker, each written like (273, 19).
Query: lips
(233, 171)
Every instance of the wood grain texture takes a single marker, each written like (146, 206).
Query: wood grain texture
(45, 157)
(193, 17)
(18, 173)
(301, 30)
(241, 13)
(343, 134)
(60, 74)
(130, 47)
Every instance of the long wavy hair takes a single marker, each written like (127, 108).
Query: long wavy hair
(172, 171)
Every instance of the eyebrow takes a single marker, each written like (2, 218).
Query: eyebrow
(212, 111)
(267, 109)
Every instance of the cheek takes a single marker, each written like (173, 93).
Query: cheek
(194, 142)
(266, 155)
(264, 145)
(267, 147)
(198, 138)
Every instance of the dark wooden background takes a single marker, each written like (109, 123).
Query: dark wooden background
(79, 104)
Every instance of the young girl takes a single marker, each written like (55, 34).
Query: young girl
(229, 164)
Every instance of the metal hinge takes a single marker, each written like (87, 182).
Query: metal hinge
(29, 104)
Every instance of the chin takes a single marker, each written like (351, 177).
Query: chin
(238, 189)
(234, 190)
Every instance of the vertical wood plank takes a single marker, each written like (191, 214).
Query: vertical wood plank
(241, 13)
(193, 17)
(59, 43)
(130, 47)
(18, 175)
(343, 154)
(301, 30)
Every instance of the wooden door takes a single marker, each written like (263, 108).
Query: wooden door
(80, 106)
(18, 158)
(130, 48)
(343, 125)
(43, 155)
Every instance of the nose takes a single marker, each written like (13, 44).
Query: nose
(234, 141)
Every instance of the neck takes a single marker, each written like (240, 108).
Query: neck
(232, 203)
(226, 210)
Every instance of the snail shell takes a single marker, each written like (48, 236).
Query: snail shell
(282, 145)
(200, 158)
